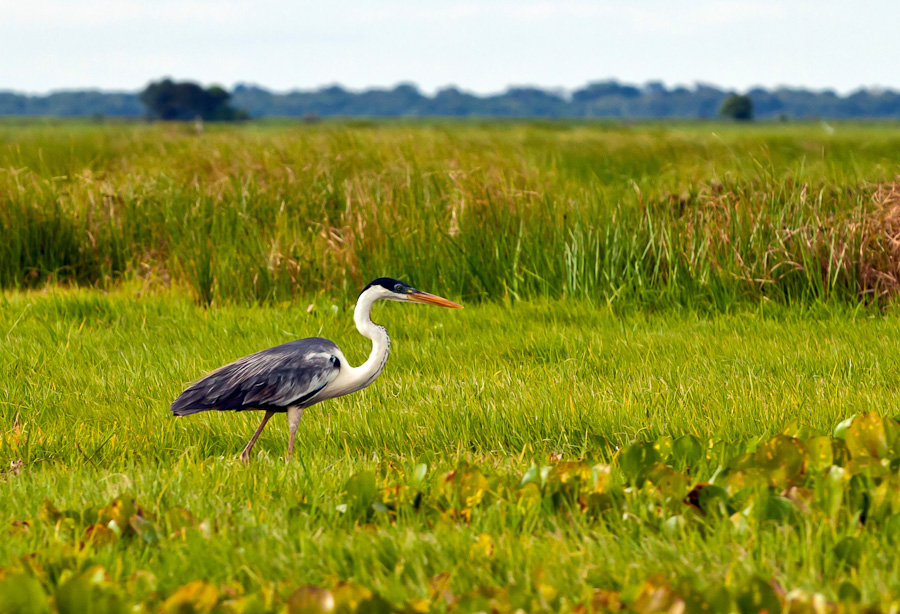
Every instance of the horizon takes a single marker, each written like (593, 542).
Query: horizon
(565, 92)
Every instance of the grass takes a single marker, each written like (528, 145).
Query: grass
(695, 215)
(672, 389)
(490, 391)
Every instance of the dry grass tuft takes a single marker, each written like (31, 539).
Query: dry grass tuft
(879, 244)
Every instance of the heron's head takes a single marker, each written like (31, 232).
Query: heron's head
(389, 289)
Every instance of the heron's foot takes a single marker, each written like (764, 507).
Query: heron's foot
(290, 450)
(245, 457)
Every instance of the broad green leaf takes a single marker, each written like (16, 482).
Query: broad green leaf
(89, 592)
(419, 474)
(830, 490)
(532, 476)
(758, 596)
(667, 482)
(145, 529)
(885, 499)
(782, 459)
(252, 604)
(603, 600)
(892, 530)
(674, 524)
(848, 593)
(374, 605)
(21, 594)
(467, 486)
(197, 597)
(840, 431)
(99, 535)
(709, 499)
(712, 600)
(635, 458)
(687, 451)
(657, 596)
(779, 509)
(361, 489)
(310, 600)
(864, 465)
(663, 446)
(820, 453)
(747, 481)
(417, 605)
(118, 515)
(349, 597)
(866, 437)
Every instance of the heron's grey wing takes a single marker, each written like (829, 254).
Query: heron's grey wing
(276, 378)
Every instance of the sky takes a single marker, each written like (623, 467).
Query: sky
(482, 47)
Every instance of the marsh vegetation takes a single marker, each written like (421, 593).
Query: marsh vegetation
(673, 386)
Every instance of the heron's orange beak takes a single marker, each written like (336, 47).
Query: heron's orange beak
(431, 299)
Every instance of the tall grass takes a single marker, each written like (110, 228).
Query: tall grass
(701, 214)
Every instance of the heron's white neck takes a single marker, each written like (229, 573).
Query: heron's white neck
(366, 373)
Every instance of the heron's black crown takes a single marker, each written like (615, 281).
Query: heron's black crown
(391, 285)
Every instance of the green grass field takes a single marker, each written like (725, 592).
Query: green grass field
(672, 388)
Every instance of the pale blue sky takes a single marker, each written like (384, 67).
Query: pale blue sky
(481, 46)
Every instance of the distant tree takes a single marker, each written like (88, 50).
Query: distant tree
(609, 98)
(171, 101)
(604, 89)
(451, 102)
(738, 107)
(529, 102)
(655, 88)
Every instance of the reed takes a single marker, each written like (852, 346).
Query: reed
(701, 214)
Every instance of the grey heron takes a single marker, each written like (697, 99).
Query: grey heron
(290, 377)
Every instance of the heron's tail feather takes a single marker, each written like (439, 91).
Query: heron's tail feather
(187, 411)
(192, 401)
(183, 407)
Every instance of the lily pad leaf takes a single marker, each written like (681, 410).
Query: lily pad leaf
(758, 596)
(687, 450)
(840, 431)
(867, 436)
(781, 458)
(310, 600)
(636, 458)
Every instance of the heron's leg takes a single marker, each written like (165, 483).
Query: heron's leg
(294, 414)
(245, 455)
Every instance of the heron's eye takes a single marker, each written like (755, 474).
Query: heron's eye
(398, 288)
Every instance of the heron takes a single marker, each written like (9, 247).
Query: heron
(292, 376)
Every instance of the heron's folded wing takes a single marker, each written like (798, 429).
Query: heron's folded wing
(285, 375)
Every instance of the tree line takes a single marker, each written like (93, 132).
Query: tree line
(603, 99)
